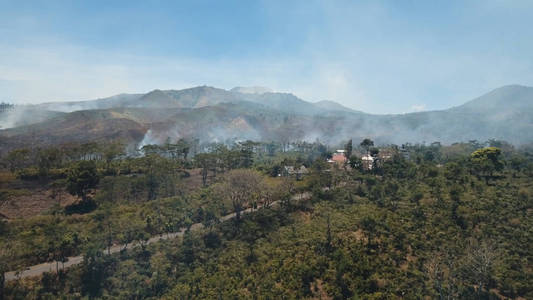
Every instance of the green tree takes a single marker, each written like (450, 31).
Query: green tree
(18, 159)
(113, 151)
(486, 161)
(454, 172)
(82, 178)
(206, 161)
(374, 151)
(48, 159)
(348, 148)
(517, 163)
(356, 163)
(157, 170)
(94, 271)
(366, 144)
(67, 246)
(369, 226)
(250, 231)
(246, 153)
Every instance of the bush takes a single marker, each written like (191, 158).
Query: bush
(81, 207)
(28, 174)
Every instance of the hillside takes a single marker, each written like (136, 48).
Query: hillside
(213, 114)
(26, 115)
(332, 106)
(172, 226)
(79, 126)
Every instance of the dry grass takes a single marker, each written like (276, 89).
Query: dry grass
(33, 202)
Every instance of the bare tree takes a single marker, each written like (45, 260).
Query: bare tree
(442, 272)
(479, 263)
(240, 186)
(270, 192)
(284, 192)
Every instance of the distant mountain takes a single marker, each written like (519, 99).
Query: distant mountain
(121, 100)
(192, 98)
(333, 106)
(501, 103)
(251, 90)
(213, 114)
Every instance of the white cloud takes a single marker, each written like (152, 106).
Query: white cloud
(33, 75)
(418, 107)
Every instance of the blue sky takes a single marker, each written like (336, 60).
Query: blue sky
(375, 56)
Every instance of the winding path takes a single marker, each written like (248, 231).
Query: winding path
(39, 269)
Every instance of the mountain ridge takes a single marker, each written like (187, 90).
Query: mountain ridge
(190, 97)
(212, 114)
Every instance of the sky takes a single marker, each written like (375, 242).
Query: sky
(374, 56)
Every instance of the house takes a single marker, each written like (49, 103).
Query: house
(339, 157)
(386, 154)
(368, 162)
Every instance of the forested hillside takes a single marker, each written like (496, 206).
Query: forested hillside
(420, 222)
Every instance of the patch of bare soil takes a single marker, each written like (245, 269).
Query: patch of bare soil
(194, 180)
(33, 203)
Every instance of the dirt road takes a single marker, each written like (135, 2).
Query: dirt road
(39, 269)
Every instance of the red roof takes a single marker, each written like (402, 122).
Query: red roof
(338, 157)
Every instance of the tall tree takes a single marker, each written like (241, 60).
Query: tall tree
(246, 153)
(206, 161)
(348, 147)
(183, 148)
(366, 144)
(112, 151)
(82, 178)
(486, 161)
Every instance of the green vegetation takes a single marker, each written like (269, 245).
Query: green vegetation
(427, 222)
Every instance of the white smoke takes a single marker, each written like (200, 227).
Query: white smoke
(20, 116)
(9, 119)
(149, 139)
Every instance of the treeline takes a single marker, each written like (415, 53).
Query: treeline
(4, 107)
(53, 162)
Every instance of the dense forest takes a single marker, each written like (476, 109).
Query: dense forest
(237, 221)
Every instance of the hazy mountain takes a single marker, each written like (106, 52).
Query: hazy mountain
(192, 98)
(333, 106)
(251, 90)
(508, 102)
(216, 114)
(121, 100)
(25, 115)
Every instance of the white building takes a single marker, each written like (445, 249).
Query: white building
(368, 162)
